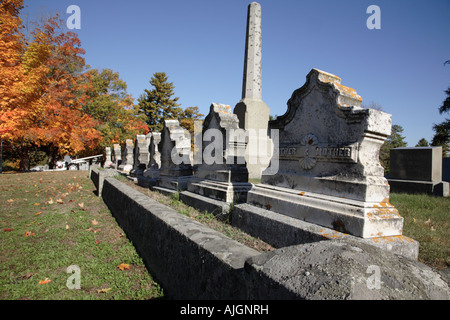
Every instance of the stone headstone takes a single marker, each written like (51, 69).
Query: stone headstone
(446, 169)
(141, 155)
(252, 112)
(175, 149)
(328, 157)
(222, 175)
(154, 164)
(151, 173)
(417, 170)
(117, 155)
(108, 163)
(128, 156)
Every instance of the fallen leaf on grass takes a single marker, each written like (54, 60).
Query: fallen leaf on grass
(103, 290)
(123, 266)
(37, 204)
(7, 229)
(60, 201)
(27, 275)
(94, 222)
(67, 226)
(38, 213)
(47, 280)
(29, 233)
(50, 201)
(10, 200)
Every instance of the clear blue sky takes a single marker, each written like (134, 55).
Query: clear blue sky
(200, 45)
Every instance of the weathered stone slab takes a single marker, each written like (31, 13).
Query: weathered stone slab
(281, 231)
(329, 169)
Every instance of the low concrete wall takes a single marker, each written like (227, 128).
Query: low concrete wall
(98, 176)
(188, 259)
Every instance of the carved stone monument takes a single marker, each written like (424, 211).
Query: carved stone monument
(175, 149)
(154, 164)
(252, 112)
(141, 155)
(128, 156)
(117, 155)
(222, 175)
(108, 163)
(329, 170)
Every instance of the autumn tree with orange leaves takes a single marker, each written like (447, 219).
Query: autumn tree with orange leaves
(45, 89)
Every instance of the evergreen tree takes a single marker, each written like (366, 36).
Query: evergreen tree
(422, 143)
(442, 130)
(157, 104)
(395, 140)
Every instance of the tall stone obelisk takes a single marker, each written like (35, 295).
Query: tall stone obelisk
(252, 112)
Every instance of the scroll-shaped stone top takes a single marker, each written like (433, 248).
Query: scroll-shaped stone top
(221, 117)
(323, 104)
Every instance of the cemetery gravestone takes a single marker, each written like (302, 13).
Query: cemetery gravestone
(329, 171)
(417, 170)
(128, 156)
(117, 155)
(175, 149)
(222, 174)
(108, 163)
(141, 156)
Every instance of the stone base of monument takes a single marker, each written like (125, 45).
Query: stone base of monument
(361, 219)
(282, 231)
(216, 197)
(440, 188)
(125, 168)
(173, 183)
(230, 192)
(202, 203)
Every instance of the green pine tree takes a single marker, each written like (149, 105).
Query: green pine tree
(157, 104)
(395, 140)
(422, 143)
(442, 130)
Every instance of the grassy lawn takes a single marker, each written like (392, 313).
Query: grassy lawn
(427, 220)
(50, 221)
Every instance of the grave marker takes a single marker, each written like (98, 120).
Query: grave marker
(329, 171)
(417, 170)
